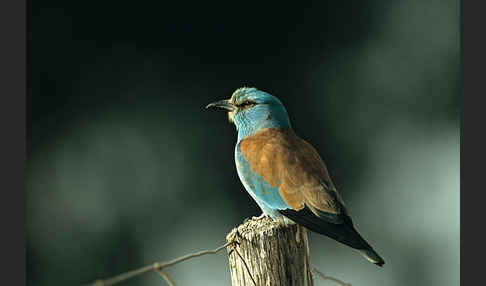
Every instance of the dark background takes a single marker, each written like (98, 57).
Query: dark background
(125, 166)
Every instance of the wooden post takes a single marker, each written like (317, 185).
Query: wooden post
(268, 253)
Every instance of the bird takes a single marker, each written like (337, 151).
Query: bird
(283, 173)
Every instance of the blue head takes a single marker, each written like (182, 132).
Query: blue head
(251, 110)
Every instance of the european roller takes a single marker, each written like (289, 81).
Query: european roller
(283, 173)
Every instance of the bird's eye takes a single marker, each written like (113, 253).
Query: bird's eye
(246, 104)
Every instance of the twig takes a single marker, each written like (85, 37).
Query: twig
(157, 266)
(315, 271)
(166, 277)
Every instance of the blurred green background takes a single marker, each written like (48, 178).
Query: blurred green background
(125, 167)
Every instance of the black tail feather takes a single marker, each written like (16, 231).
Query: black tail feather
(339, 228)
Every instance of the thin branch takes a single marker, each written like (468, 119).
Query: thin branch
(157, 266)
(324, 277)
(166, 277)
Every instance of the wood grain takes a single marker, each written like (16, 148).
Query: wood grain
(269, 253)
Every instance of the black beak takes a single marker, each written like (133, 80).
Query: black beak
(222, 104)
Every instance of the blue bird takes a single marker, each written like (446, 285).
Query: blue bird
(283, 173)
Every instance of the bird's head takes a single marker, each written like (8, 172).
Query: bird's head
(251, 110)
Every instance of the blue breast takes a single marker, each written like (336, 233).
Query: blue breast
(266, 196)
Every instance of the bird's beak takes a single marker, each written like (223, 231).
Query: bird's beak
(222, 104)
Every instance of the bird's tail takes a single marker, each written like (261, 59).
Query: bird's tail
(342, 231)
(362, 246)
(372, 256)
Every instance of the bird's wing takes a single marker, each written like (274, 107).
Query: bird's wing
(293, 170)
(287, 174)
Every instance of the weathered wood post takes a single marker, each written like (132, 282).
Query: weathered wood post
(267, 253)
